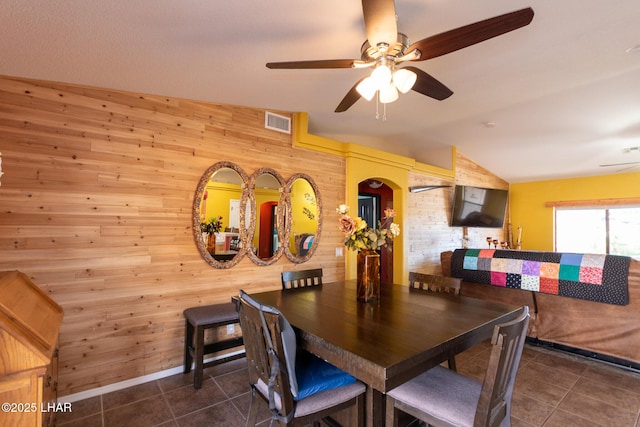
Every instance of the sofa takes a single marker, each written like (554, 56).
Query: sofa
(608, 331)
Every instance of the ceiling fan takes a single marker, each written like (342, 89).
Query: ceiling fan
(629, 165)
(386, 48)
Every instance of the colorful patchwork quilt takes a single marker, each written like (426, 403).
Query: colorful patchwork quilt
(592, 277)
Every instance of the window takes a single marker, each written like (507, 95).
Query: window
(603, 230)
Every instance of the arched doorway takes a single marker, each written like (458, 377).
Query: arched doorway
(364, 169)
(374, 197)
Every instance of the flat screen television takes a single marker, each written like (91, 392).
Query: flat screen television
(479, 207)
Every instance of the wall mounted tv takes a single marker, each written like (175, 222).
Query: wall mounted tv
(479, 207)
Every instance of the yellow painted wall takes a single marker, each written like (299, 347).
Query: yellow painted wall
(219, 199)
(527, 202)
(304, 211)
(364, 163)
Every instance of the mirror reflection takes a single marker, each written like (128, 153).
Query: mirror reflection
(304, 217)
(220, 210)
(267, 235)
(220, 214)
(262, 216)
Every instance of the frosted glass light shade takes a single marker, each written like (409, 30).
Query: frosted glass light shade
(367, 88)
(404, 80)
(381, 75)
(389, 93)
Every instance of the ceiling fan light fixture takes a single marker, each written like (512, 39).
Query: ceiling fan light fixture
(381, 75)
(385, 48)
(388, 94)
(367, 88)
(404, 80)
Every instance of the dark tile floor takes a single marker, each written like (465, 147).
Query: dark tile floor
(552, 389)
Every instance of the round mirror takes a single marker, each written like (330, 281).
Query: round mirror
(266, 232)
(303, 219)
(219, 214)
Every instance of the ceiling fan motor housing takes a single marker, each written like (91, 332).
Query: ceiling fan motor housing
(372, 53)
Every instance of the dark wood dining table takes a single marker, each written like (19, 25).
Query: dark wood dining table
(388, 342)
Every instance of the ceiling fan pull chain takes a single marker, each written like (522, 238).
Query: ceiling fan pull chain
(384, 112)
(377, 105)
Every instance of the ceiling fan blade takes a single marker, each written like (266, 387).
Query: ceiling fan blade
(322, 63)
(619, 164)
(350, 98)
(450, 41)
(428, 85)
(380, 21)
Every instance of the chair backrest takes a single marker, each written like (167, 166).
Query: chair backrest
(433, 283)
(270, 347)
(507, 342)
(301, 278)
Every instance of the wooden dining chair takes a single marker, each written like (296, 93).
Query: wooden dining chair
(299, 387)
(301, 278)
(433, 283)
(442, 397)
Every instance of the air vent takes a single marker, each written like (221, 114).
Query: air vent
(277, 122)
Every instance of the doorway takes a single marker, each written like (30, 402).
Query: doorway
(268, 233)
(373, 198)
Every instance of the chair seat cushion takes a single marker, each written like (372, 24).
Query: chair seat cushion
(319, 401)
(315, 375)
(211, 314)
(443, 394)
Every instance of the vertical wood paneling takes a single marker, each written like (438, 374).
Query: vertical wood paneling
(95, 206)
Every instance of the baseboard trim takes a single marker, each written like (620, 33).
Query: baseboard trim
(611, 360)
(135, 381)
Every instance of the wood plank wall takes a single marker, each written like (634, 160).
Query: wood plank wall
(95, 206)
(430, 213)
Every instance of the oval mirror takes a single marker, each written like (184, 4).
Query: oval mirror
(219, 214)
(303, 219)
(266, 232)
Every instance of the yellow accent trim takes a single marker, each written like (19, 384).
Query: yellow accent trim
(436, 171)
(361, 152)
(303, 139)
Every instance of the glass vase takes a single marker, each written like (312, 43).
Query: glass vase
(368, 275)
(211, 243)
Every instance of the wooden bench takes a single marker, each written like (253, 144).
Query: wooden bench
(199, 319)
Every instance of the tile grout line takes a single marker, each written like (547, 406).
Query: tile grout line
(536, 357)
(581, 376)
(229, 399)
(102, 412)
(166, 402)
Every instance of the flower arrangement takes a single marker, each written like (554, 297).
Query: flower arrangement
(358, 236)
(213, 225)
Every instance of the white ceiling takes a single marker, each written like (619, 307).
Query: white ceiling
(563, 93)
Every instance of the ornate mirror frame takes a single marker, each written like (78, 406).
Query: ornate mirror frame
(280, 227)
(295, 258)
(244, 199)
(247, 212)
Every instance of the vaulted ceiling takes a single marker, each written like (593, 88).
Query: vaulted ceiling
(555, 99)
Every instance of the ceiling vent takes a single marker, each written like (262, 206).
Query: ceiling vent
(277, 122)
